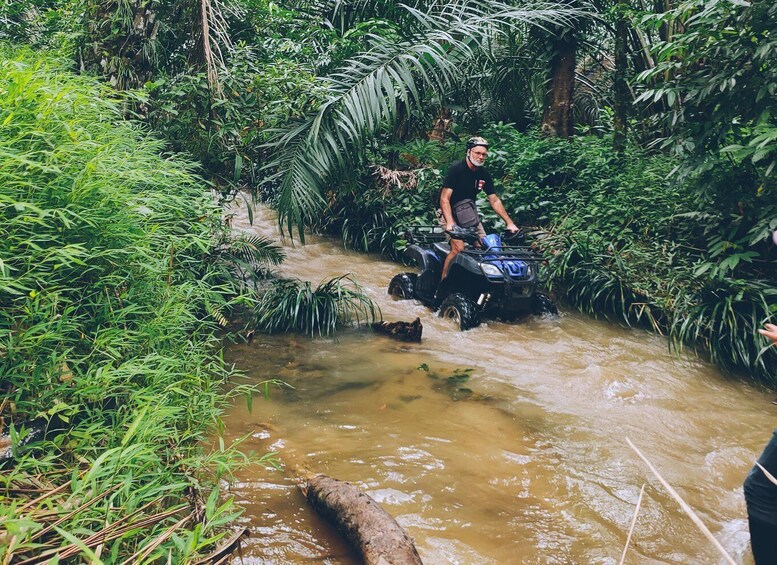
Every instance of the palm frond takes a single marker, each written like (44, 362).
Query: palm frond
(369, 90)
(257, 249)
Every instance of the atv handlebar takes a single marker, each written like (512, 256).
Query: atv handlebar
(427, 234)
(512, 238)
(470, 235)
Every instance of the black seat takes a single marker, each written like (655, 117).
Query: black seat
(442, 248)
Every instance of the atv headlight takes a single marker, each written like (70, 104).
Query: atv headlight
(490, 270)
(529, 271)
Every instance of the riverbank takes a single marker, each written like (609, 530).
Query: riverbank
(110, 356)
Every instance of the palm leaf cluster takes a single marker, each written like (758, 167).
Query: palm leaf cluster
(248, 256)
(598, 277)
(394, 73)
(722, 319)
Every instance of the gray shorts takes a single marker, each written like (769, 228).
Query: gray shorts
(478, 227)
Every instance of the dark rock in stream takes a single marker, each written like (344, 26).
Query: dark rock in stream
(36, 430)
(403, 331)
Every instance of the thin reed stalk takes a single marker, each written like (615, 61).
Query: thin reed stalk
(633, 524)
(687, 509)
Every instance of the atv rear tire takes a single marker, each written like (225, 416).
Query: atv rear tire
(461, 309)
(402, 286)
(543, 304)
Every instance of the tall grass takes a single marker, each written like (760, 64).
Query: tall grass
(107, 279)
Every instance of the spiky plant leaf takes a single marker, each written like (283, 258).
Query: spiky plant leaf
(255, 248)
(291, 305)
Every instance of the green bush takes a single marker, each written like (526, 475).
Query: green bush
(372, 208)
(226, 135)
(295, 306)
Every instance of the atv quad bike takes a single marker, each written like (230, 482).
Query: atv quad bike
(496, 280)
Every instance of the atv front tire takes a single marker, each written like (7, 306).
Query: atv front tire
(543, 304)
(402, 286)
(461, 309)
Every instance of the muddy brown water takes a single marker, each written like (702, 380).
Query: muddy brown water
(503, 444)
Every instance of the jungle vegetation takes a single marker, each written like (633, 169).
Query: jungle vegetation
(118, 276)
(637, 140)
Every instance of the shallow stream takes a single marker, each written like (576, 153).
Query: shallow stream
(503, 444)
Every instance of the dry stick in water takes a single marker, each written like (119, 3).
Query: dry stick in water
(109, 534)
(48, 494)
(74, 512)
(683, 505)
(633, 523)
(10, 554)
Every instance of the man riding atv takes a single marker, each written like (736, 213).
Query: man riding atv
(496, 276)
(459, 191)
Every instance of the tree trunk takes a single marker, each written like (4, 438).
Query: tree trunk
(621, 95)
(659, 7)
(361, 520)
(557, 116)
(442, 126)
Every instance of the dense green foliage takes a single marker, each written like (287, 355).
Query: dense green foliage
(116, 273)
(717, 81)
(107, 275)
(295, 306)
(374, 205)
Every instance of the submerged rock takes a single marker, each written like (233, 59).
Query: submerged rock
(403, 331)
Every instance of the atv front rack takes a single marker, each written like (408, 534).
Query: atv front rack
(504, 253)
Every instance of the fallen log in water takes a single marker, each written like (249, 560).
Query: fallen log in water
(403, 331)
(367, 527)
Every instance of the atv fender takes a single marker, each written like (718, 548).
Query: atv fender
(424, 259)
(431, 270)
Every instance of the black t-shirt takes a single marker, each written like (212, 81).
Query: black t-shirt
(466, 183)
